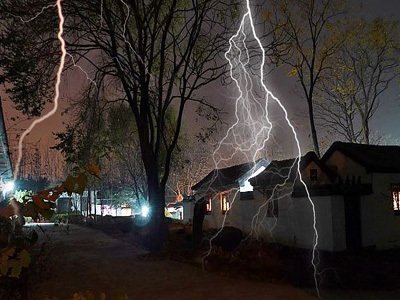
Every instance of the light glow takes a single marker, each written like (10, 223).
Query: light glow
(144, 212)
(8, 187)
(246, 185)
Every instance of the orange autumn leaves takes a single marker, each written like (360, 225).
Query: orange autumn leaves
(43, 202)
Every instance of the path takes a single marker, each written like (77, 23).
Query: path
(87, 259)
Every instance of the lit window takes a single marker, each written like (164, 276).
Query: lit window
(209, 205)
(313, 175)
(396, 199)
(225, 204)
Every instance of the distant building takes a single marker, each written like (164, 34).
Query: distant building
(355, 189)
(95, 204)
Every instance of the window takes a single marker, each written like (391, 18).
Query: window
(313, 175)
(272, 209)
(396, 198)
(225, 204)
(209, 205)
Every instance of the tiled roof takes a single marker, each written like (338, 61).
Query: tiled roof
(278, 170)
(375, 158)
(225, 177)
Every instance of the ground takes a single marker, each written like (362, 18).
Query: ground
(83, 258)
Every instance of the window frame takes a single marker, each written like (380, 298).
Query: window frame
(395, 190)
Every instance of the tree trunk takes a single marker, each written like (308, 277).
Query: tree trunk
(158, 230)
(199, 213)
(366, 132)
(313, 129)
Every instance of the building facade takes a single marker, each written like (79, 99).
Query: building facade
(354, 190)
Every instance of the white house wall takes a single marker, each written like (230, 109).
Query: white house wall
(188, 208)
(294, 224)
(216, 218)
(338, 223)
(380, 227)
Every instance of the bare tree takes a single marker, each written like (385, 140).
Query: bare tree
(192, 162)
(156, 54)
(311, 39)
(365, 66)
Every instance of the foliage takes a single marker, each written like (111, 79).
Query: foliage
(365, 67)
(12, 260)
(13, 252)
(153, 55)
(310, 35)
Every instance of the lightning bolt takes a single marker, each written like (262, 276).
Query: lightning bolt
(36, 15)
(57, 84)
(252, 128)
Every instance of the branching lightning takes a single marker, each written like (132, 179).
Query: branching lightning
(36, 15)
(57, 85)
(252, 128)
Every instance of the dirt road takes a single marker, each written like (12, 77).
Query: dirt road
(87, 259)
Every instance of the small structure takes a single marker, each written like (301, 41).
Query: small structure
(220, 189)
(92, 203)
(354, 188)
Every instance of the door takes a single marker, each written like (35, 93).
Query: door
(353, 222)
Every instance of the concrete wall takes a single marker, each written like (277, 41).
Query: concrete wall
(338, 223)
(188, 207)
(380, 226)
(216, 218)
(294, 224)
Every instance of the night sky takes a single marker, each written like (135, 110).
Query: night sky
(385, 121)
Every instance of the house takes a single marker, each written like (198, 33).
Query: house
(371, 215)
(354, 188)
(221, 188)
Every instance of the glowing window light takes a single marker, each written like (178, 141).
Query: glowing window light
(396, 198)
(225, 204)
(209, 205)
